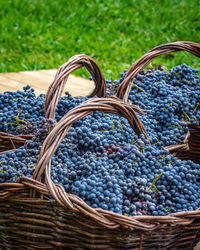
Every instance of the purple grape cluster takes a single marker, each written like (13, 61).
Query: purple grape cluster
(126, 176)
(44, 129)
(171, 99)
(20, 110)
(102, 160)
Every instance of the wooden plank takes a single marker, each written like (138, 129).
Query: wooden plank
(34, 78)
(41, 80)
(5, 88)
(51, 72)
(72, 78)
(12, 85)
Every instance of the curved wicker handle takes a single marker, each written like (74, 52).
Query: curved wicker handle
(51, 143)
(56, 88)
(124, 88)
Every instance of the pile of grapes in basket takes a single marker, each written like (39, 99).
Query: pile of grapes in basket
(102, 160)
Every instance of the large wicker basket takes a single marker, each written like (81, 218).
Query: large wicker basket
(37, 214)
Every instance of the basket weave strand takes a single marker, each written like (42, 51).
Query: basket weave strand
(190, 148)
(125, 87)
(9, 142)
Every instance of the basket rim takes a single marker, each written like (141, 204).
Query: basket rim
(140, 222)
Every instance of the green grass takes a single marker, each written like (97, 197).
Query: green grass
(43, 34)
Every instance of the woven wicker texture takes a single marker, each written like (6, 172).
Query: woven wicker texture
(11, 142)
(27, 223)
(190, 148)
(125, 87)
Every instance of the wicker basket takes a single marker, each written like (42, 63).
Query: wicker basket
(30, 219)
(37, 214)
(10, 142)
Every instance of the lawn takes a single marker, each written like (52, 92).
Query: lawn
(43, 34)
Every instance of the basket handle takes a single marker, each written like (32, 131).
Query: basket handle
(51, 143)
(56, 88)
(124, 88)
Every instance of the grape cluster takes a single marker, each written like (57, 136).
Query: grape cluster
(21, 112)
(44, 129)
(176, 92)
(20, 108)
(102, 160)
(129, 179)
(171, 99)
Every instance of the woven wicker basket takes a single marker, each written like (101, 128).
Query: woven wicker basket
(10, 142)
(37, 214)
